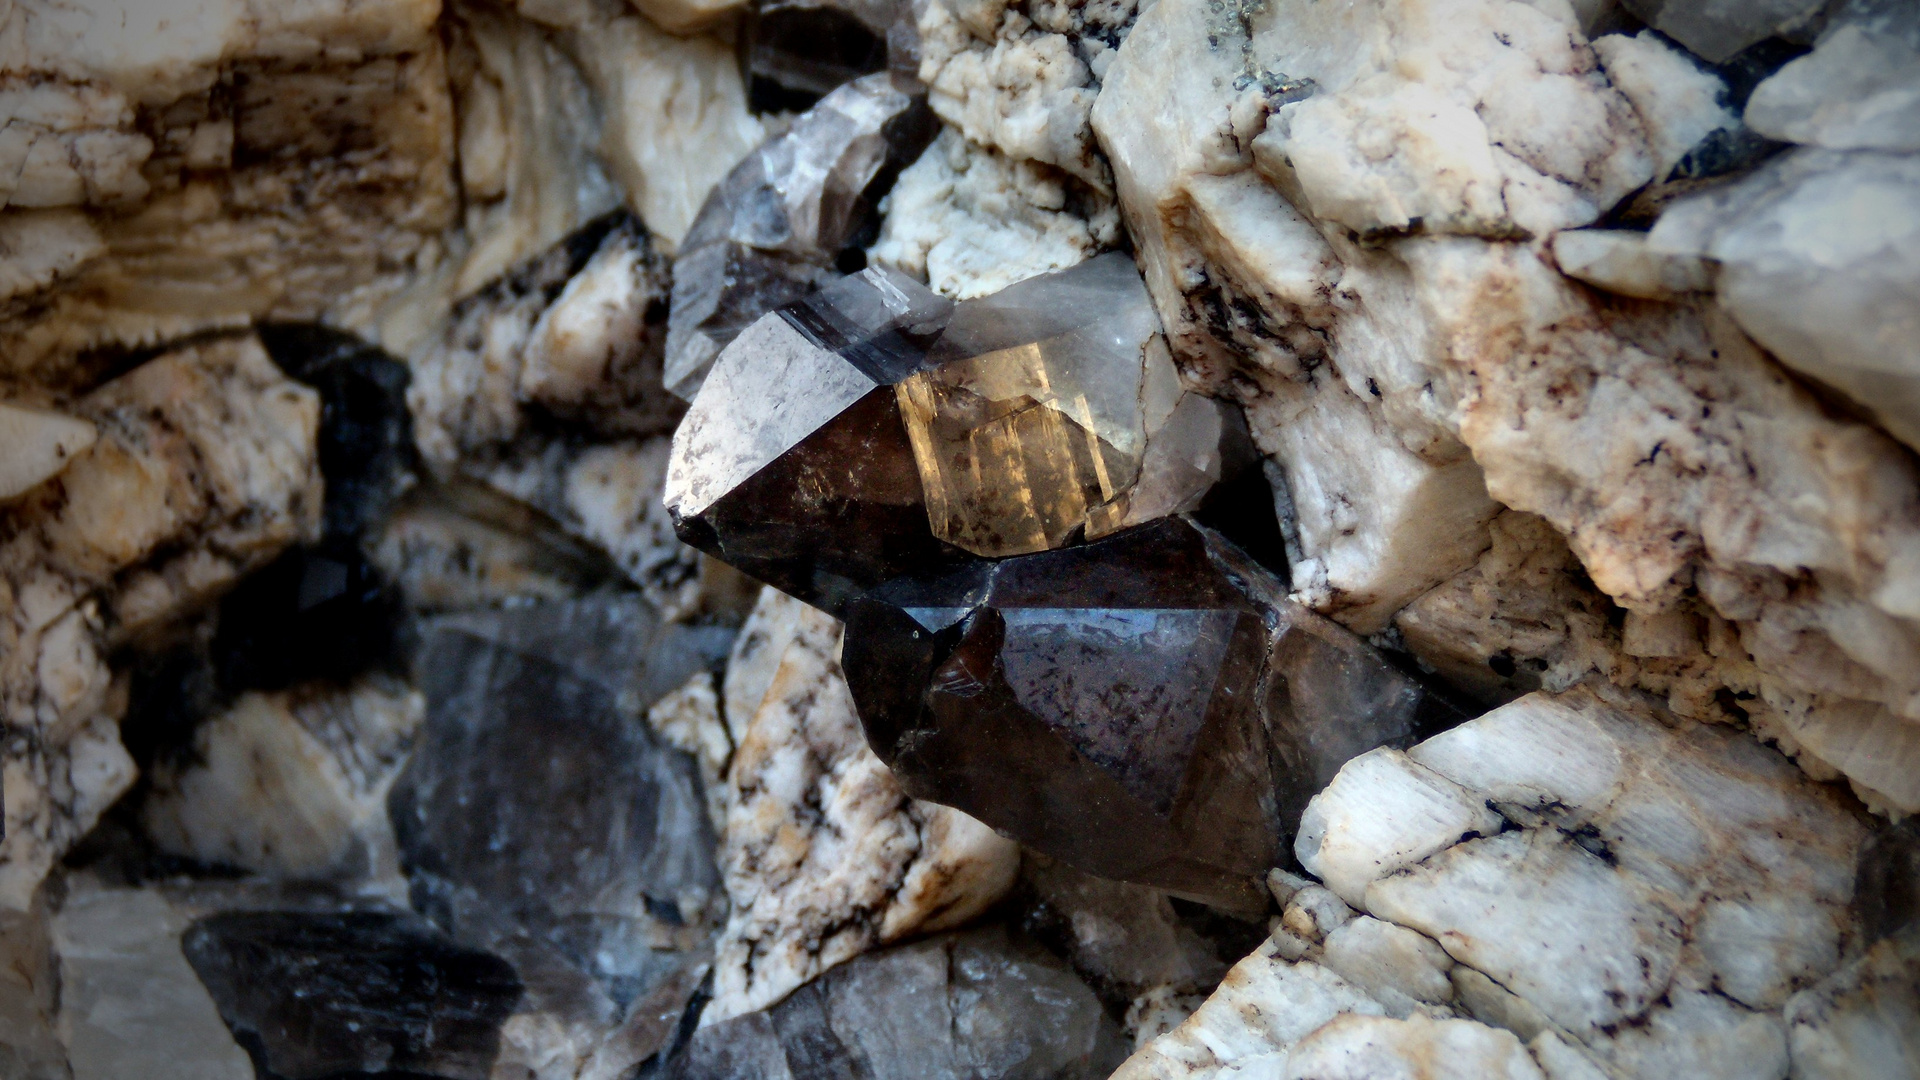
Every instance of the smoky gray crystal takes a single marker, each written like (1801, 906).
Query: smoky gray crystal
(1149, 708)
(771, 232)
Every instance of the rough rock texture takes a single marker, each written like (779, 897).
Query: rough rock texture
(973, 1004)
(1551, 875)
(824, 857)
(204, 469)
(1401, 380)
(291, 784)
(232, 161)
(546, 388)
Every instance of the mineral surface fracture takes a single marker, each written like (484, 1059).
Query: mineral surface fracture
(1149, 707)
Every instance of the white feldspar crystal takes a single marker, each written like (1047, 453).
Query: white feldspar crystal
(1820, 261)
(39, 445)
(689, 719)
(1487, 118)
(1264, 1006)
(1622, 261)
(292, 784)
(1353, 1047)
(1397, 966)
(129, 1003)
(1022, 84)
(823, 856)
(1634, 866)
(1678, 101)
(973, 221)
(1858, 90)
(1384, 811)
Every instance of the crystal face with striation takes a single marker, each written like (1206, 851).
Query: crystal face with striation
(1149, 707)
(907, 432)
(1052, 407)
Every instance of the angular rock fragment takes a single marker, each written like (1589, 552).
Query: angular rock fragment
(1149, 707)
(1621, 261)
(972, 221)
(29, 996)
(1858, 90)
(977, 1003)
(1052, 408)
(1835, 300)
(772, 230)
(824, 857)
(131, 1004)
(1003, 425)
(321, 995)
(1595, 870)
(1717, 31)
(292, 785)
(795, 51)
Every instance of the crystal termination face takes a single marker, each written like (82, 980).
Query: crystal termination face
(1149, 707)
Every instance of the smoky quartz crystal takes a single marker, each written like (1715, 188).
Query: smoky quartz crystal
(875, 429)
(1148, 707)
(321, 995)
(773, 230)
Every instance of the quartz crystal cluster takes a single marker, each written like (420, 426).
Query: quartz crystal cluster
(959, 539)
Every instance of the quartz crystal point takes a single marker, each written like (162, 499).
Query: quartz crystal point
(1149, 707)
(1046, 405)
(769, 233)
(875, 429)
(330, 995)
(792, 464)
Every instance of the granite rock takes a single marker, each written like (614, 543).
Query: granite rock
(184, 129)
(824, 856)
(204, 469)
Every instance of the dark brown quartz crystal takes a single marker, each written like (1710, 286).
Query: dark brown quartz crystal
(1148, 707)
(774, 229)
(792, 464)
(323, 995)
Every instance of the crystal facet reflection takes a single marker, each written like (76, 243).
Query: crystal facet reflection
(874, 429)
(792, 464)
(1148, 707)
(1040, 408)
